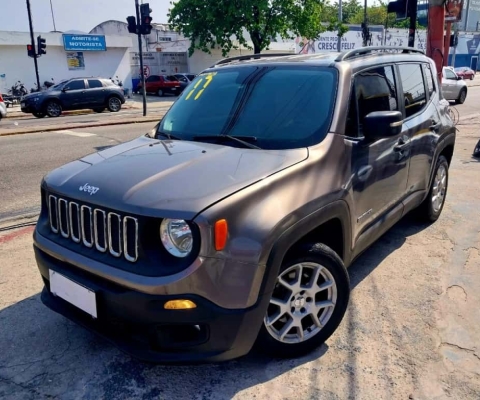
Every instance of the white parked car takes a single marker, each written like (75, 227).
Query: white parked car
(454, 88)
(3, 108)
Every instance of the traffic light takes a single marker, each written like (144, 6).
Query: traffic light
(132, 24)
(400, 8)
(41, 46)
(145, 19)
(31, 51)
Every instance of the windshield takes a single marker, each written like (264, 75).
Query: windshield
(282, 107)
(58, 86)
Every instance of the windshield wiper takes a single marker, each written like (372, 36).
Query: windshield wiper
(168, 136)
(240, 139)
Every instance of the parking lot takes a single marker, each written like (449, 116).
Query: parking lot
(411, 331)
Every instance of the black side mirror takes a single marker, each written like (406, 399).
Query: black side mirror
(459, 78)
(64, 89)
(381, 124)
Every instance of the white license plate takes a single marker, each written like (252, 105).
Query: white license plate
(22, 104)
(74, 293)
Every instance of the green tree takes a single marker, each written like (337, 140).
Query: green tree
(211, 23)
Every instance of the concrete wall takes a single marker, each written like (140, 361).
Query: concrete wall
(16, 65)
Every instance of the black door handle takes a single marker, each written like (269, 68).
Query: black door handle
(401, 145)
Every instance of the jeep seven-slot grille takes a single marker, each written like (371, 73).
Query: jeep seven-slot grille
(94, 227)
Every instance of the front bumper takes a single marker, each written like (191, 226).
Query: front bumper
(138, 324)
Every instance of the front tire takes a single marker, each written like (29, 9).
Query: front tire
(308, 302)
(462, 96)
(160, 93)
(99, 109)
(53, 109)
(39, 114)
(432, 206)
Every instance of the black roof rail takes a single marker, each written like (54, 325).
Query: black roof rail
(368, 50)
(251, 57)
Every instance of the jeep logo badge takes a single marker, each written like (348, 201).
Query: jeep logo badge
(90, 189)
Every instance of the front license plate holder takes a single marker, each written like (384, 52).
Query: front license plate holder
(74, 293)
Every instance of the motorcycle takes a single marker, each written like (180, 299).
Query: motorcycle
(46, 85)
(18, 90)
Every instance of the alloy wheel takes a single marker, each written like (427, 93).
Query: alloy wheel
(114, 104)
(302, 303)
(439, 188)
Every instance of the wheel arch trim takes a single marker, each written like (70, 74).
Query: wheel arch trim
(338, 209)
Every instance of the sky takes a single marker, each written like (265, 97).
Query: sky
(82, 15)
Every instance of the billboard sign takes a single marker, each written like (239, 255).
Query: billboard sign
(453, 10)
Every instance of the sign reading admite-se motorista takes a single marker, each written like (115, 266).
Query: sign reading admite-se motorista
(84, 42)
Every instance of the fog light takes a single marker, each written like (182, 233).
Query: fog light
(179, 305)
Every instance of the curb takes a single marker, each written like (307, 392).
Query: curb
(74, 112)
(76, 126)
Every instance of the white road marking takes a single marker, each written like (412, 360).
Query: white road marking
(74, 133)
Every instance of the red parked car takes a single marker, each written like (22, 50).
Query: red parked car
(161, 84)
(465, 72)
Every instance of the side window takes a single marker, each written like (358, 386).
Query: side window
(76, 85)
(94, 83)
(449, 74)
(413, 88)
(429, 76)
(373, 90)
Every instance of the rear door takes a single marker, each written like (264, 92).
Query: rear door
(74, 94)
(95, 92)
(379, 167)
(422, 121)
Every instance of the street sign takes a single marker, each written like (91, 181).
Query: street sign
(84, 42)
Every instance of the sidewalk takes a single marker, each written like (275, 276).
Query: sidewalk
(19, 123)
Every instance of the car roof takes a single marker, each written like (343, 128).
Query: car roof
(357, 58)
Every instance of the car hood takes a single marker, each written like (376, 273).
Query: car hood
(175, 179)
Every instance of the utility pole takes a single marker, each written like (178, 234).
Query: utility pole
(412, 13)
(455, 32)
(365, 31)
(340, 18)
(33, 43)
(53, 16)
(139, 34)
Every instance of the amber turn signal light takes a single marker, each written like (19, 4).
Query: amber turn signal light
(221, 233)
(179, 305)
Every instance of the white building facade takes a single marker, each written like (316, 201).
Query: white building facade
(68, 55)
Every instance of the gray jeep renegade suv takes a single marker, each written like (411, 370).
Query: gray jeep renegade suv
(232, 222)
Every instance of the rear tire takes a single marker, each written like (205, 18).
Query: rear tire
(160, 93)
(432, 206)
(114, 104)
(308, 302)
(462, 96)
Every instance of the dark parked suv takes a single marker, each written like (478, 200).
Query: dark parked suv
(75, 94)
(234, 220)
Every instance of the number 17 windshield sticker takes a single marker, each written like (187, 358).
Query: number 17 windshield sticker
(206, 80)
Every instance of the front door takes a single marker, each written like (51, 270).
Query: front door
(379, 169)
(449, 84)
(74, 94)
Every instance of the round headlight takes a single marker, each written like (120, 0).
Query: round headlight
(177, 237)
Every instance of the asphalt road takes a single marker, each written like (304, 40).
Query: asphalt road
(25, 159)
